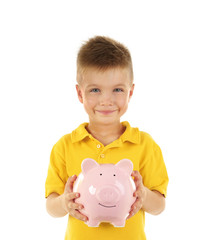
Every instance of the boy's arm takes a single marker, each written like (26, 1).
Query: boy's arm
(54, 205)
(59, 205)
(152, 202)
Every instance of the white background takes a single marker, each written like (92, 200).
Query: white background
(39, 41)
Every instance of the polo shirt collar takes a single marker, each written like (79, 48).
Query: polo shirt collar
(80, 133)
(130, 134)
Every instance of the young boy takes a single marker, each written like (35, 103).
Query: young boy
(105, 86)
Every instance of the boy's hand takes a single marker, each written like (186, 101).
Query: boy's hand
(68, 200)
(140, 194)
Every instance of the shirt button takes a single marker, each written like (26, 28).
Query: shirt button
(102, 155)
(98, 146)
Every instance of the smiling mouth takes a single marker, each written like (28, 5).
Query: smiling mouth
(107, 206)
(106, 112)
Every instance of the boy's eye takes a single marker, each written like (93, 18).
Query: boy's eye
(95, 90)
(118, 90)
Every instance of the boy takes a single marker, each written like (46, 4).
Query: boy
(105, 86)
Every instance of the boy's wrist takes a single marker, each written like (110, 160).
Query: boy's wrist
(62, 202)
(54, 205)
(145, 197)
(146, 190)
(154, 202)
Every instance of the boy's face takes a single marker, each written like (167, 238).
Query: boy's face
(105, 94)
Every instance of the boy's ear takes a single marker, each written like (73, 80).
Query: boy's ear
(131, 91)
(80, 97)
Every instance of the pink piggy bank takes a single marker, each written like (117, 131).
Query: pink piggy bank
(106, 191)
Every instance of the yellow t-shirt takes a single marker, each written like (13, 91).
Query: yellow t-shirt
(65, 160)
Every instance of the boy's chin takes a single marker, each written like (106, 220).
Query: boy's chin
(106, 120)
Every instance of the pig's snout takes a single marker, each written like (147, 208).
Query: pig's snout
(108, 195)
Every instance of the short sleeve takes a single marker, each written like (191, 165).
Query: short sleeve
(57, 175)
(153, 170)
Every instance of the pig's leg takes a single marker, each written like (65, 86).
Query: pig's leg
(119, 223)
(92, 222)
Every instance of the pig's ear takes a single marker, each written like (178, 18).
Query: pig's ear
(126, 165)
(88, 164)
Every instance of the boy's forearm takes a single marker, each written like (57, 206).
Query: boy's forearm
(154, 202)
(54, 205)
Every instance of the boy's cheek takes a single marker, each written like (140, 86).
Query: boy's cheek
(89, 105)
(89, 97)
(123, 100)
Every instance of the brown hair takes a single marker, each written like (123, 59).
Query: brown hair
(103, 53)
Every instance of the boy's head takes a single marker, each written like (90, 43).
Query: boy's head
(105, 79)
(103, 53)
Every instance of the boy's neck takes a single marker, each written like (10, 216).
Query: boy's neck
(106, 133)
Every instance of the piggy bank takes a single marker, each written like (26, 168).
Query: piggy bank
(106, 191)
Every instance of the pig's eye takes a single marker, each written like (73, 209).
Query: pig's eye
(114, 175)
(100, 174)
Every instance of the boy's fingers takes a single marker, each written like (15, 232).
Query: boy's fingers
(69, 183)
(76, 206)
(136, 206)
(78, 215)
(72, 195)
(135, 194)
(139, 192)
(137, 178)
(131, 214)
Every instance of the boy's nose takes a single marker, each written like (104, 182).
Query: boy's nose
(106, 100)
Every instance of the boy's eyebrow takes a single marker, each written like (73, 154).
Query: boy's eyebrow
(92, 85)
(120, 85)
(117, 85)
